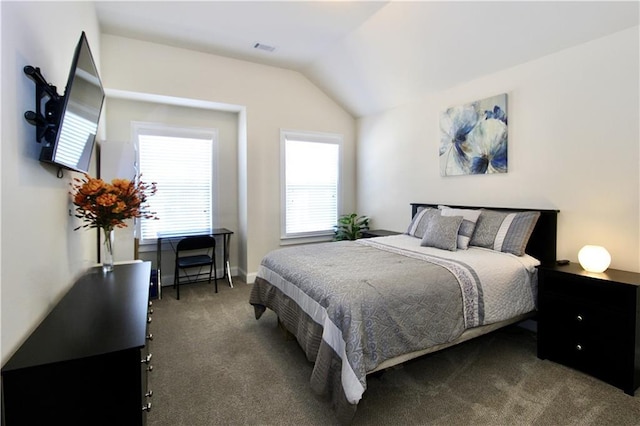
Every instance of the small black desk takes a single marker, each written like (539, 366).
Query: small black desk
(176, 236)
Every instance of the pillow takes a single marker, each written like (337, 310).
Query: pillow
(470, 217)
(504, 231)
(420, 220)
(442, 232)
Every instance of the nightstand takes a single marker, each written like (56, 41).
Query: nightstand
(377, 233)
(590, 322)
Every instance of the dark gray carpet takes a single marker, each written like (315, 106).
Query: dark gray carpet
(215, 364)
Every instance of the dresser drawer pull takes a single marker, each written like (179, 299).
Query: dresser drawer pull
(150, 368)
(146, 407)
(150, 311)
(146, 359)
(149, 319)
(579, 318)
(149, 394)
(150, 336)
(578, 347)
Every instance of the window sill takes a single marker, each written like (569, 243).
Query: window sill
(305, 240)
(153, 246)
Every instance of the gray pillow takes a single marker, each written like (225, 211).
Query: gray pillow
(442, 232)
(420, 220)
(508, 232)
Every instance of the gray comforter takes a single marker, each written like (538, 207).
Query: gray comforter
(352, 305)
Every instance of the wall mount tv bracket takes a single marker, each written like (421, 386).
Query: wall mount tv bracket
(47, 118)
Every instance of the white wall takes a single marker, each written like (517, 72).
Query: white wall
(274, 98)
(41, 255)
(573, 146)
(118, 155)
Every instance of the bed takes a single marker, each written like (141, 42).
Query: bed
(359, 307)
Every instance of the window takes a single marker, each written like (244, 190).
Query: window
(310, 183)
(183, 163)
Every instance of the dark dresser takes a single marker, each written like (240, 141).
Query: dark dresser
(590, 322)
(87, 362)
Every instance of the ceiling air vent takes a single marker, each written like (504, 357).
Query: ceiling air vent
(265, 47)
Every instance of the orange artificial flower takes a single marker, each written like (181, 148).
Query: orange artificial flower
(108, 205)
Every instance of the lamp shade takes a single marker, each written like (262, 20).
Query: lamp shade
(594, 258)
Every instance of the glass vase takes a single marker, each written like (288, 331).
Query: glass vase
(107, 253)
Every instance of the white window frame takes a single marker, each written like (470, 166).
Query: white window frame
(306, 136)
(160, 129)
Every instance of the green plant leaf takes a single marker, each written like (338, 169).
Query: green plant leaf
(350, 226)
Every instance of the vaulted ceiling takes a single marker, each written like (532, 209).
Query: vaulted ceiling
(372, 56)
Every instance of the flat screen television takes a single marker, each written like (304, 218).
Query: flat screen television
(70, 123)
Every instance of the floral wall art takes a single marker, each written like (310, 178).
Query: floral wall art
(473, 138)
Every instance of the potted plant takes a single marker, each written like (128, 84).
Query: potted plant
(350, 227)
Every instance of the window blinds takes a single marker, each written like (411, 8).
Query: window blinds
(183, 169)
(311, 186)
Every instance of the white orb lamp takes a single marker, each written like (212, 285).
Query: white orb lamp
(594, 258)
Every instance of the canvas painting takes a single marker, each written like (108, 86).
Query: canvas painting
(473, 138)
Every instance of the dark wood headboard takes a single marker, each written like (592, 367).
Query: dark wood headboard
(542, 244)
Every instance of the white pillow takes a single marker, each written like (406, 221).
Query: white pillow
(468, 224)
